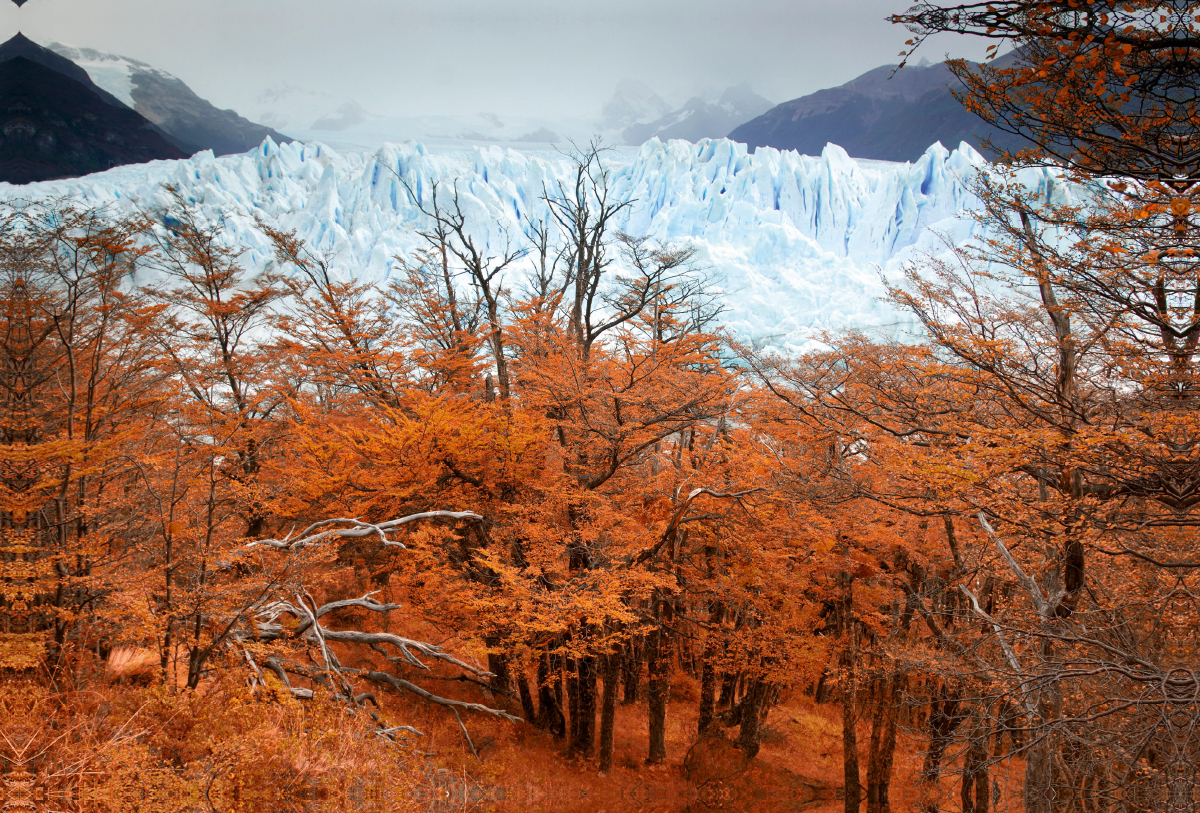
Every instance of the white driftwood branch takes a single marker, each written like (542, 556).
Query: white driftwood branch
(346, 528)
(400, 683)
(1009, 654)
(1045, 608)
(269, 628)
(405, 645)
(269, 614)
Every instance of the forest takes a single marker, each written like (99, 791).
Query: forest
(524, 528)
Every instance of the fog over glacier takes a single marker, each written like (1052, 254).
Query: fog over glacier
(798, 244)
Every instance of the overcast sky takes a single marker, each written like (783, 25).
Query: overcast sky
(553, 58)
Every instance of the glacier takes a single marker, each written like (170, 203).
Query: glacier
(798, 244)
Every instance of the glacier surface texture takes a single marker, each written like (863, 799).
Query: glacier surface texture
(797, 243)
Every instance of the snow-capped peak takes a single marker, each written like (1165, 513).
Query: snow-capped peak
(112, 73)
(287, 107)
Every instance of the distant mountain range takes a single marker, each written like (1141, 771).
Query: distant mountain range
(632, 103)
(289, 108)
(699, 118)
(884, 114)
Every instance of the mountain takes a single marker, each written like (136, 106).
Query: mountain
(171, 105)
(22, 46)
(56, 123)
(699, 119)
(292, 109)
(884, 114)
(350, 114)
(796, 243)
(632, 103)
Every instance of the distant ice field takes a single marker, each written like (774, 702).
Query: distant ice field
(798, 244)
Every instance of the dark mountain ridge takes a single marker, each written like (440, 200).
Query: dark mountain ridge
(55, 126)
(22, 46)
(885, 114)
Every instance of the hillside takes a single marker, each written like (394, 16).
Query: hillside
(60, 125)
(884, 114)
(699, 118)
(165, 100)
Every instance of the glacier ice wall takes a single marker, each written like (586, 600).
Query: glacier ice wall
(798, 243)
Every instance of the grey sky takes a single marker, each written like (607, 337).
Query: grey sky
(553, 58)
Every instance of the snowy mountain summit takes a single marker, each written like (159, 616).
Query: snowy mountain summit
(798, 243)
(190, 121)
(633, 102)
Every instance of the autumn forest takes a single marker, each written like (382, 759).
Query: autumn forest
(527, 529)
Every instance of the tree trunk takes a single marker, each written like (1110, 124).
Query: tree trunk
(573, 701)
(608, 709)
(708, 671)
(847, 658)
(1039, 755)
(631, 672)
(883, 743)
(550, 713)
(500, 682)
(975, 792)
(527, 707)
(728, 691)
(585, 686)
(658, 684)
(749, 735)
(943, 719)
(853, 792)
(1037, 775)
(708, 691)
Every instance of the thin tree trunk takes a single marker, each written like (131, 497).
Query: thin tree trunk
(500, 682)
(708, 670)
(708, 692)
(853, 792)
(658, 684)
(728, 691)
(572, 688)
(975, 795)
(883, 744)
(943, 719)
(847, 658)
(631, 672)
(608, 709)
(749, 735)
(1039, 755)
(531, 715)
(550, 713)
(585, 685)
(1037, 776)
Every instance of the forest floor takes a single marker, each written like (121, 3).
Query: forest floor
(522, 768)
(517, 767)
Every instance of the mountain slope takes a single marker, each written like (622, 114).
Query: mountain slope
(632, 103)
(699, 119)
(884, 114)
(21, 46)
(54, 126)
(167, 102)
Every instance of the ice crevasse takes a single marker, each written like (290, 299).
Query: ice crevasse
(798, 244)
